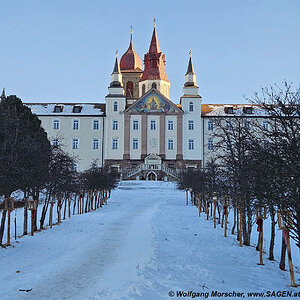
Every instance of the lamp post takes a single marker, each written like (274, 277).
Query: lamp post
(32, 205)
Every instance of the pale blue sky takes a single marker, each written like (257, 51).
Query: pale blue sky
(63, 50)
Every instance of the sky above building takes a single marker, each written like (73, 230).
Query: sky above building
(54, 51)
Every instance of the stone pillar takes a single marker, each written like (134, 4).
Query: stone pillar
(144, 136)
(179, 155)
(162, 134)
(126, 154)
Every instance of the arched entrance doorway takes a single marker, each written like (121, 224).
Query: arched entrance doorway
(152, 176)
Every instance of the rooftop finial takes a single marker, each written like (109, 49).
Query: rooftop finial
(131, 29)
(116, 53)
(190, 52)
(154, 21)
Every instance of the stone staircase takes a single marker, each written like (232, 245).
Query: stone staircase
(145, 167)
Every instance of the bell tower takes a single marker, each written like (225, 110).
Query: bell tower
(154, 75)
(131, 69)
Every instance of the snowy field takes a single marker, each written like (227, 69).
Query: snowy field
(144, 244)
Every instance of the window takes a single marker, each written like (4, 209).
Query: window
(247, 110)
(191, 144)
(135, 125)
(143, 89)
(96, 125)
(210, 144)
(115, 125)
(95, 143)
(55, 142)
(75, 144)
(154, 85)
(170, 125)
(58, 108)
(114, 144)
(115, 106)
(153, 125)
(77, 109)
(129, 89)
(265, 125)
(170, 145)
(75, 124)
(75, 167)
(55, 124)
(228, 109)
(191, 106)
(135, 144)
(191, 125)
(228, 125)
(210, 125)
(247, 124)
(171, 166)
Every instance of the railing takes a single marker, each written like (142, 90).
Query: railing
(150, 167)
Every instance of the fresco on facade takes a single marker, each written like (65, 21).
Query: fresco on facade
(153, 103)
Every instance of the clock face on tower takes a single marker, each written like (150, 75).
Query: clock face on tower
(153, 103)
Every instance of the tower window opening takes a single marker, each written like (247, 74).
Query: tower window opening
(143, 89)
(154, 85)
(191, 106)
(129, 89)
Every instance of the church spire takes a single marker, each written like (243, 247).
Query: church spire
(154, 45)
(116, 76)
(3, 97)
(190, 76)
(130, 59)
(190, 69)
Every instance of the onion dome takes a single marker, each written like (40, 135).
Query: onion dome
(130, 59)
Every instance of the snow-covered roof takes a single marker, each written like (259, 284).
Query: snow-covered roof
(85, 109)
(232, 110)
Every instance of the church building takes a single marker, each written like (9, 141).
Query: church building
(139, 130)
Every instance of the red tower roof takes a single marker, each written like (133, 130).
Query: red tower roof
(154, 61)
(130, 59)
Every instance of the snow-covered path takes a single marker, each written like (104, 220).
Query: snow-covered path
(142, 245)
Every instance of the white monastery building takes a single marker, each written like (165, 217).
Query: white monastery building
(138, 130)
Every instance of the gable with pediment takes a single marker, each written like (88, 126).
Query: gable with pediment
(153, 102)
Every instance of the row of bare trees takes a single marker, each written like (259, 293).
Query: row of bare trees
(255, 162)
(29, 164)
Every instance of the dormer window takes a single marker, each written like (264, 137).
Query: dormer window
(247, 110)
(77, 109)
(228, 110)
(58, 108)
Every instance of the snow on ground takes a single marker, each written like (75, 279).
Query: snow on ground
(145, 243)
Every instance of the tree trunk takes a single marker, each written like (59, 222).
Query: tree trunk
(65, 208)
(234, 221)
(219, 214)
(25, 221)
(283, 251)
(272, 241)
(2, 227)
(237, 224)
(74, 206)
(223, 216)
(86, 203)
(44, 211)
